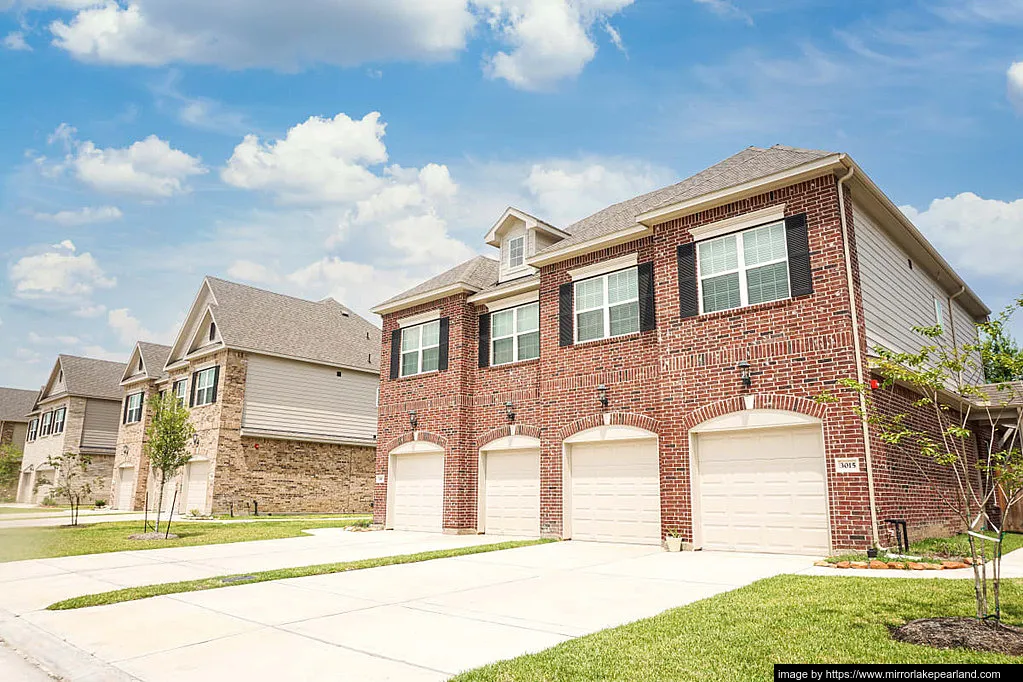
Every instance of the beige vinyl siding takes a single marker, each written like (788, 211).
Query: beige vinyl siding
(99, 432)
(289, 397)
(20, 432)
(897, 298)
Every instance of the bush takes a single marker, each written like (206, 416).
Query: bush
(10, 470)
(100, 504)
(49, 502)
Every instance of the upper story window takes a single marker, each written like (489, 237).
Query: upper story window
(515, 334)
(59, 417)
(607, 305)
(133, 408)
(939, 313)
(516, 252)
(181, 390)
(213, 332)
(743, 269)
(205, 386)
(47, 424)
(33, 429)
(420, 348)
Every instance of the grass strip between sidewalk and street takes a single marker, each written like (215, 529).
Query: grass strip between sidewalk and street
(215, 582)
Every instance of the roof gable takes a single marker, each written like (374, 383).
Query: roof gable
(152, 357)
(84, 377)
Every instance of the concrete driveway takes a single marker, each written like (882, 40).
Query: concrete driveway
(423, 621)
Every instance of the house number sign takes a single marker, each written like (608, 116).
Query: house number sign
(847, 465)
(380, 478)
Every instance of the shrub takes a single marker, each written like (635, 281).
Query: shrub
(100, 504)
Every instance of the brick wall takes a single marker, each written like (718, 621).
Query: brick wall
(131, 440)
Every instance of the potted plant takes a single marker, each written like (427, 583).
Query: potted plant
(674, 541)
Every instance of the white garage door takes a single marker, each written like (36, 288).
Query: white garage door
(418, 497)
(125, 487)
(195, 494)
(615, 492)
(26, 487)
(763, 490)
(512, 503)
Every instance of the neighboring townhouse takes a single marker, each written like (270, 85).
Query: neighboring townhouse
(76, 412)
(282, 393)
(15, 404)
(653, 368)
(140, 383)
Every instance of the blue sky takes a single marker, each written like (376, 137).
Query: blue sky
(354, 147)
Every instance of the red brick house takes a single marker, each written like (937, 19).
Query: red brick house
(652, 368)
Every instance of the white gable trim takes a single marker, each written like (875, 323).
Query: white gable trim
(178, 352)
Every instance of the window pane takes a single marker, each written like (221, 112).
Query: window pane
(720, 293)
(504, 351)
(502, 323)
(410, 338)
(623, 286)
(591, 325)
(529, 346)
(529, 318)
(431, 334)
(764, 244)
(717, 256)
(409, 363)
(589, 294)
(431, 359)
(768, 283)
(516, 252)
(624, 318)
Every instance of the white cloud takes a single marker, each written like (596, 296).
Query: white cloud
(357, 285)
(15, 40)
(127, 327)
(149, 168)
(83, 216)
(101, 353)
(550, 40)
(1015, 85)
(726, 8)
(59, 274)
(252, 272)
(979, 236)
(89, 310)
(266, 33)
(41, 340)
(28, 356)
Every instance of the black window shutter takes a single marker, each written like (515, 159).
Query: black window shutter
(484, 340)
(798, 243)
(442, 360)
(395, 353)
(688, 291)
(127, 401)
(216, 381)
(646, 297)
(191, 399)
(566, 325)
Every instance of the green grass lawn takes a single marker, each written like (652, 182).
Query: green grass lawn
(740, 635)
(33, 510)
(935, 549)
(57, 541)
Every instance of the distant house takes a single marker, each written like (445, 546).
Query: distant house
(76, 412)
(282, 393)
(15, 404)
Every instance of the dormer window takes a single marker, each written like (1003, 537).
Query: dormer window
(516, 252)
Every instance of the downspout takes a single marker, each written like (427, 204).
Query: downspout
(871, 497)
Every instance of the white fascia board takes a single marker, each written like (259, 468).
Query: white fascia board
(604, 241)
(511, 289)
(425, 297)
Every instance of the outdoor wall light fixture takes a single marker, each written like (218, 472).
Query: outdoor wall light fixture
(747, 380)
(509, 411)
(602, 393)
(413, 420)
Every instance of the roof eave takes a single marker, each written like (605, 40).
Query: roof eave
(530, 284)
(424, 297)
(598, 243)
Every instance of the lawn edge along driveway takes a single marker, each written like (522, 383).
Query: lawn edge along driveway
(216, 582)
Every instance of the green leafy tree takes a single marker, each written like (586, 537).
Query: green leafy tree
(168, 436)
(72, 480)
(10, 470)
(1003, 356)
(984, 478)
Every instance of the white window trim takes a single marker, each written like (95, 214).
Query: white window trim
(419, 351)
(130, 410)
(33, 430)
(46, 425)
(764, 216)
(742, 269)
(174, 389)
(513, 301)
(63, 419)
(606, 307)
(514, 336)
(206, 391)
(512, 267)
(939, 313)
(604, 267)
(421, 318)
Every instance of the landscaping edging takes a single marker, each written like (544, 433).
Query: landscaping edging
(877, 564)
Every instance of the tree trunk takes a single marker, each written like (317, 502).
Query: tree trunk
(978, 581)
(159, 502)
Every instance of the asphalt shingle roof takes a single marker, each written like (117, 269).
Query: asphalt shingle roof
(1004, 394)
(479, 273)
(154, 357)
(323, 331)
(92, 378)
(16, 403)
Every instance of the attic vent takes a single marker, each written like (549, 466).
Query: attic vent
(344, 313)
(367, 336)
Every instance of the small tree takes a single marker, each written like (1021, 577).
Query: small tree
(985, 477)
(167, 438)
(72, 480)
(10, 471)
(1003, 357)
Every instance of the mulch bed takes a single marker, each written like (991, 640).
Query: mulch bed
(962, 633)
(151, 536)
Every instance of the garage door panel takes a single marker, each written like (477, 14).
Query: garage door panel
(418, 497)
(512, 493)
(125, 481)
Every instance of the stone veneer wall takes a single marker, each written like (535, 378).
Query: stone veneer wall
(131, 439)
(6, 433)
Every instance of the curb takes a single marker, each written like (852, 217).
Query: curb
(56, 656)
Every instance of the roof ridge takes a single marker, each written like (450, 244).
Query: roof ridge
(263, 291)
(85, 357)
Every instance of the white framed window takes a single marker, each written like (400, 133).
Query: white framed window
(33, 429)
(744, 268)
(205, 386)
(515, 334)
(181, 390)
(59, 417)
(420, 349)
(47, 424)
(939, 313)
(133, 408)
(607, 306)
(516, 252)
